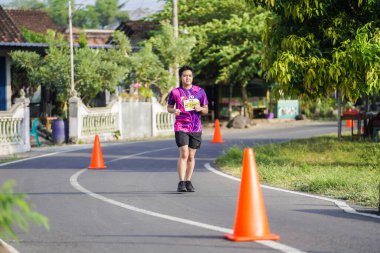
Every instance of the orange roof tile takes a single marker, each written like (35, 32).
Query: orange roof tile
(34, 20)
(9, 31)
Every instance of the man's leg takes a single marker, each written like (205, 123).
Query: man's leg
(190, 164)
(182, 162)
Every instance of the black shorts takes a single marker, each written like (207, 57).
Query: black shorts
(193, 140)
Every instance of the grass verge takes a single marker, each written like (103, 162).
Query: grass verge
(347, 170)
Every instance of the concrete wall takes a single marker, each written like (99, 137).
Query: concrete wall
(136, 119)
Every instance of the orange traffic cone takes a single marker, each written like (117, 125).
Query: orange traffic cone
(349, 123)
(217, 135)
(251, 222)
(97, 161)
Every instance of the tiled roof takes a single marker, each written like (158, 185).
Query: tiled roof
(137, 30)
(13, 20)
(93, 36)
(9, 31)
(34, 20)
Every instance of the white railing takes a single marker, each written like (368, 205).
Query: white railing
(14, 128)
(86, 122)
(162, 121)
(10, 130)
(98, 123)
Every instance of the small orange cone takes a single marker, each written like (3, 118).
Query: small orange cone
(349, 123)
(97, 161)
(251, 222)
(217, 135)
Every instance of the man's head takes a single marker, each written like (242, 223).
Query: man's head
(184, 68)
(186, 75)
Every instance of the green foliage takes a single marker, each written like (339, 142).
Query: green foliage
(148, 69)
(200, 12)
(108, 12)
(171, 49)
(86, 17)
(58, 11)
(15, 211)
(323, 165)
(82, 40)
(318, 108)
(314, 48)
(33, 37)
(151, 64)
(145, 92)
(228, 38)
(100, 15)
(231, 50)
(95, 69)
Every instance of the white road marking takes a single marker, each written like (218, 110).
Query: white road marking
(54, 153)
(339, 203)
(74, 182)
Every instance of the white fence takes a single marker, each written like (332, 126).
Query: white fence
(162, 121)
(85, 122)
(14, 128)
(119, 119)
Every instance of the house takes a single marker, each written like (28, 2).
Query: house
(94, 37)
(12, 22)
(33, 20)
(137, 30)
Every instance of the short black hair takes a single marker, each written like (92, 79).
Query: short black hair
(184, 68)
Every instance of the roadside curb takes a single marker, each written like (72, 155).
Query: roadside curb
(6, 248)
(339, 203)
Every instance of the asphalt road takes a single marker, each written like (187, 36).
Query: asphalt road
(133, 206)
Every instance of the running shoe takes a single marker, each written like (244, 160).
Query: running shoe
(189, 186)
(181, 186)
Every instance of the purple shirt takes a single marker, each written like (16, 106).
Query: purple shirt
(187, 121)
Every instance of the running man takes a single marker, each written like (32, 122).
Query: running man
(187, 102)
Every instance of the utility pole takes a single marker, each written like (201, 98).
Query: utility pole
(71, 50)
(175, 27)
(175, 18)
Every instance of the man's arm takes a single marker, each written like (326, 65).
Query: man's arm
(202, 109)
(171, 109)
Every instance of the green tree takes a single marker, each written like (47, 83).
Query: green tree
(86, 17)
(95, 69)
(104, 13)
(58, 11)
(229, 49)
(232, 48)
(16, 211)
(200, 12)
(108, 12)
(147, 69)
(171, 50)
(315, 47)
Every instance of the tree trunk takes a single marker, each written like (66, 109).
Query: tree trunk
(229, 103)
(245, 100)
(339, 95)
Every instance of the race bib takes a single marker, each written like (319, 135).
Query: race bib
(190, 104)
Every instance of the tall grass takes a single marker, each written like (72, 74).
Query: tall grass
(326, 166)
